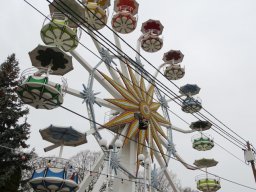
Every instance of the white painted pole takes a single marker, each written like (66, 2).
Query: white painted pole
(138, 56)
(166, 172)
(61, 150)
(138, 48)
(181, 130)
(157, 72)
(122, 64)
(149, 165)
(145, 179)
(128, 160)
(108, 174)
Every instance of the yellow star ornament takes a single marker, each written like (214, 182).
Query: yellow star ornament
(136, 99)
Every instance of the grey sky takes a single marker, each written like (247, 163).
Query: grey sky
(219, 43)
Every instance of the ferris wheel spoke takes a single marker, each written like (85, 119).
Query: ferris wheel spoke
(154, 106)
(93, 37)
(97, 75)
(122, 64)
(181, 130)
(107, 104)
(159, 118)
(176, 155)
(123, 118)
(163, 141)
(150, 94)
(124, 104)
(100, 101)
(112, 72)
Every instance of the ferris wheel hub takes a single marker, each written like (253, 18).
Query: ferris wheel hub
(145, 110)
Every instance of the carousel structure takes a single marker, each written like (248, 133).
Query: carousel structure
(140, 119)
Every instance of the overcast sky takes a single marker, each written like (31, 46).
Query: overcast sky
(219, 44)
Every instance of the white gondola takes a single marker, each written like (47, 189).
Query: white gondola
(174, 72)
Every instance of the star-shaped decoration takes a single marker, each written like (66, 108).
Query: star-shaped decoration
(137, 99)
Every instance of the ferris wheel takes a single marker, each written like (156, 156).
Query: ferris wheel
(140, 117)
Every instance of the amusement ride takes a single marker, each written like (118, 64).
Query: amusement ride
(140, 119)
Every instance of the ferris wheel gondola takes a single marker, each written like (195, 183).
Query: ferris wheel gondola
(151, 40)
(96, 14)
(125, 21)
(202, 142)
(58, 33)
(173, 70)
(35, 88)
(207, 183)
(190, 104)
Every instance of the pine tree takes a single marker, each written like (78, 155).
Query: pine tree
(13, 134)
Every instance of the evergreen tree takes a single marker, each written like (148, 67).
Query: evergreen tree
(13, 134)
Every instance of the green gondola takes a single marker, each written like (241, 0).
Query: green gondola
(58, 33)
(202, 143)
(35, 91)
(208, 185)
